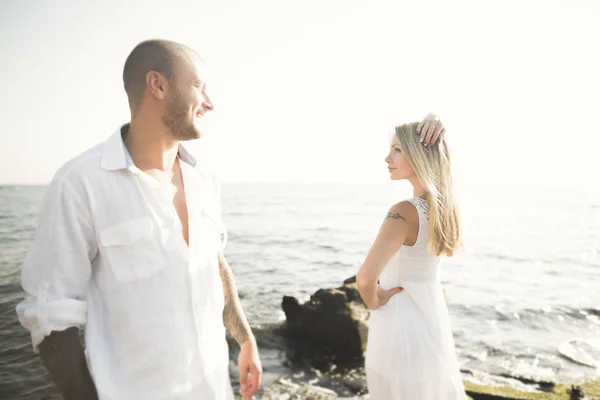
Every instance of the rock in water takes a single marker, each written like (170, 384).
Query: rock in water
(335, 320)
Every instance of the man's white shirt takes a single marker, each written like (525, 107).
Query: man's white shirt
(109, 254)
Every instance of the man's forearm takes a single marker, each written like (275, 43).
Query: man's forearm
(64, 358)
(233, 316)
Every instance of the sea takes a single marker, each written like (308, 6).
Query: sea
(523, 294)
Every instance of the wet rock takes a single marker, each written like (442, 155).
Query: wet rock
(576, 393)
(335, 320)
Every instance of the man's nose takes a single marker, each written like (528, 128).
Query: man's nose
(207, 103)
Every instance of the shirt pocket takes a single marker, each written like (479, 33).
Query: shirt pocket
(212, 230)
(132, 249)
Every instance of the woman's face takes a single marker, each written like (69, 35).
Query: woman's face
(398, 165)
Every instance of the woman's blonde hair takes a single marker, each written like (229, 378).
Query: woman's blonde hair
(433, 168)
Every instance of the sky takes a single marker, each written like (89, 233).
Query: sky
(307, 91)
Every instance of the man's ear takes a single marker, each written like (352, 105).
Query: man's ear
(157, 85)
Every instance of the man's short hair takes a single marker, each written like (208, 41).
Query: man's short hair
(150, 55)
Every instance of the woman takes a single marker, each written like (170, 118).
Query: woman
(410, 351)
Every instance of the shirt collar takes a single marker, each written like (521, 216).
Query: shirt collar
(116, 157)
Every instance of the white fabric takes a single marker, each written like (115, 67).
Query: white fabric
(410, 350)
(109, 254)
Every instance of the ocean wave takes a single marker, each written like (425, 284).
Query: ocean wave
(581, 352)
(503, 313)
(504, 257)
(554, 261)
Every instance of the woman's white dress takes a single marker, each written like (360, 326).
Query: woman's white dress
(410, 350)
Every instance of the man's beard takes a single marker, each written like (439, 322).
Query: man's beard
(176, 119)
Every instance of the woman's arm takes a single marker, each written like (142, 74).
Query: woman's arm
(400, 223)
(430, 129)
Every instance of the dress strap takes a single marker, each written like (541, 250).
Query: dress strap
(422, 206)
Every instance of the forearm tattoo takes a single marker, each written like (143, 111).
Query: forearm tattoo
(233, 316)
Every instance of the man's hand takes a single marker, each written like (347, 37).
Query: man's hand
(430, 130)
(250, 369)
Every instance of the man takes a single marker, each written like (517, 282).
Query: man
(130, 244)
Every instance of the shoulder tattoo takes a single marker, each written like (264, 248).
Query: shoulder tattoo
(395, 216)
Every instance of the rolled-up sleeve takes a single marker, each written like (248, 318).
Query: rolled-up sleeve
(57, 269)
